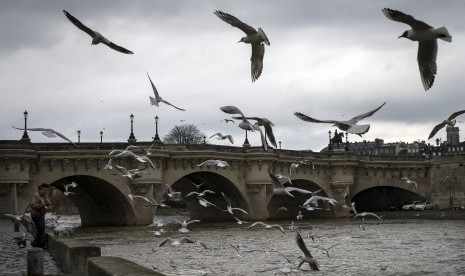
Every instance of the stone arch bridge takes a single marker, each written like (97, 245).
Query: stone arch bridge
(102, 195)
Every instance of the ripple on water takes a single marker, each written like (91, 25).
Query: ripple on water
(390, 247)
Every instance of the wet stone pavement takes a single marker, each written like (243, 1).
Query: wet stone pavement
(13, 259)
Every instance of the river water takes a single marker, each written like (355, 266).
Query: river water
(408, 246)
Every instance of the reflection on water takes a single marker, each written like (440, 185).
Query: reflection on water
(390, 247)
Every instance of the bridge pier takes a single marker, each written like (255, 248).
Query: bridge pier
(258, 200)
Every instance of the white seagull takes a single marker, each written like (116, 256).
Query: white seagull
(349, 126)
(217, 163)
(267, 226)
(364, 214)
(96, 36)
(307, 258)
(313, 201)
(449, 122)
(254, 38)
(176, 242)
(203, 193)
(158, 98)
(229, 208)
(244, 124)
(267, 124)
(409, 181)
(279, 189)
(50, 133)
(223, 137)
(427, 37)
(67, 186)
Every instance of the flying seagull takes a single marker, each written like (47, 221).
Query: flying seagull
(223, 137)
(50, 133)
(254, 38)
(449, 122)
(157, 99)
(217, 163)
(176, 242)
(427, 37)
(279, 189)
(307, 258)
(409, 181)
(364, 214)
(267, 124)
(245, 124)
(96, 36)
(349, 126)
(267, 226)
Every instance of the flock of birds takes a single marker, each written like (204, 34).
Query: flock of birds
(420, 31)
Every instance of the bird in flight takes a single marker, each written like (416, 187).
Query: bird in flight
(157, 99)
(427, 37)
(307, 258)
(223, 137)
(256, 38)
(449, 122)
(244, 124)
(349, 126)
(216, 163)
(50, 133)
(96, 36)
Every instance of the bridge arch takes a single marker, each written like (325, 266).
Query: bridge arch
(98, 201)
(293, 203)
(217, 183)
(384, 198)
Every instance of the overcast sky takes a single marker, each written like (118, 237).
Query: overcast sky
(327, 59)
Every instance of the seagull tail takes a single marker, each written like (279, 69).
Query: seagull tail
(443, 34)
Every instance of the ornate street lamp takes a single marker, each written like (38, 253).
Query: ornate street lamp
(347, 142)
(79, 136)
(25, 137)
(101, 136)
(132, 138)
(156, 138)
(279, 144)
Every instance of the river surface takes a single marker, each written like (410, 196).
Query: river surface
(415, 246)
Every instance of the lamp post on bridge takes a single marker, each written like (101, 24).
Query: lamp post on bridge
(204, 139)
(347, 142)
(79, 136)
(156, 139)
(246, 141)
(132, 139)
(279, 144)
(330, 147)
(25, 138)
(101, 136)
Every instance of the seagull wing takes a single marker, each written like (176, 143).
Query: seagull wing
(53, 131)
(116, 47)
(368, 114)
(275, 181)
(258, 51)
(358, 129)
(257, 223)
(155, 91)
(294, 189)
(79, 24)
(219, 134)
(427, 52)
(230, 138)
(302, 246)
(436, 129)
(269, 134)
(168, 103)
(235, 22)
(256, 127)
(455, 114)
(232, 110)
(405, 18)
(306, 118)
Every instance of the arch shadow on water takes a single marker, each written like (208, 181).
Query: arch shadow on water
(293, 204)
(98, 201)
(214, 182)
(384, 198)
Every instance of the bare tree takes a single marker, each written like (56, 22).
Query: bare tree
(184, 134)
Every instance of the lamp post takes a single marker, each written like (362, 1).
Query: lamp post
(79, 136)
(204, 139)
(25, 137)
(132, 138)
(347, 142)
(330, 147)
(246, 141)
(279, 144)
(101, 136)
(156, 139)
